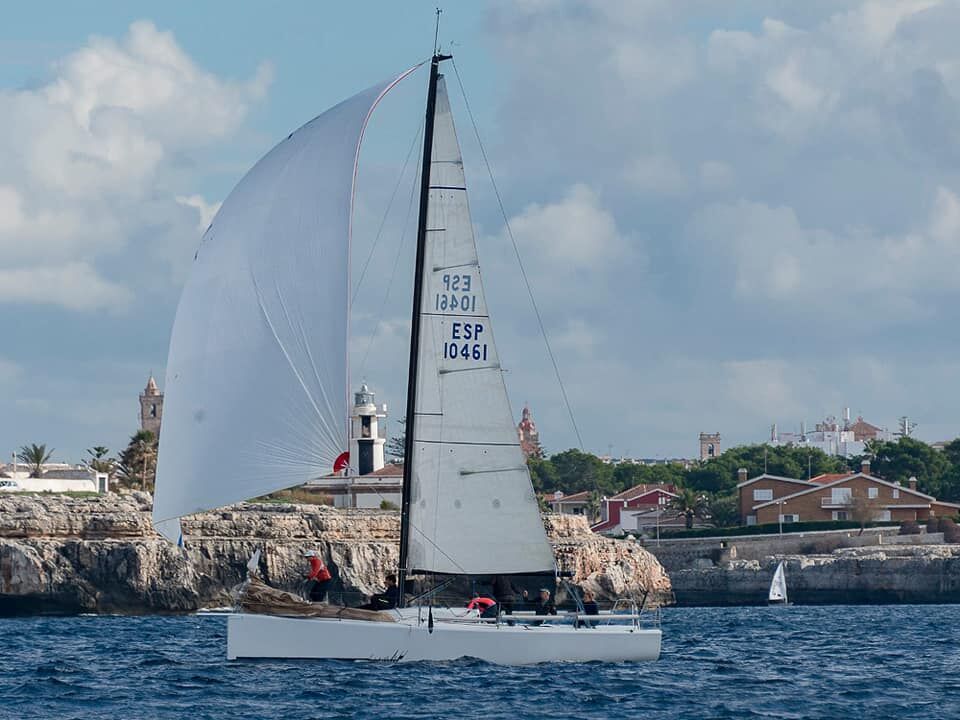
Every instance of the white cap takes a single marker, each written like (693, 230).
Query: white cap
(310, 553)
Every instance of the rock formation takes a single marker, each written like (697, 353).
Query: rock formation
(61, 554)
(863, 575)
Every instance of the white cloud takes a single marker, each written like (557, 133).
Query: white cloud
(573, 233)
(90, 159)
(74, 286)
(773, 256)
(656, 175)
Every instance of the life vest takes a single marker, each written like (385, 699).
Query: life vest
(318, 571)
(481, 603)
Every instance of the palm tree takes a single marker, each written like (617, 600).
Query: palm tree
(689, 505)
(137, 466)
(35, 456)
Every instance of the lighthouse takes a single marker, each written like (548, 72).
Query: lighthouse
(366, 440)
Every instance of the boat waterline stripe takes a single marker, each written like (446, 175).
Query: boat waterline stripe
(446, 187)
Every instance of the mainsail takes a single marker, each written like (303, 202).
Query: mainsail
(472, 505)
(256, 382)
(778, 586)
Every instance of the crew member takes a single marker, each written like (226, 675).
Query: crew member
(319, 578)
(486, 606)
(388, 599)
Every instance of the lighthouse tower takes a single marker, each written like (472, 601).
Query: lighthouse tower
(366, 441)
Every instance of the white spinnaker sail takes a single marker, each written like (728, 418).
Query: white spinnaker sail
(256, 383)
(778, 586)
(472, 505)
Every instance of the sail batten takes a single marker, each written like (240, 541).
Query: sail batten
(472, 508)
(256, 382)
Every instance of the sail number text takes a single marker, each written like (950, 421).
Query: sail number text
(456, 294)
(466, 342)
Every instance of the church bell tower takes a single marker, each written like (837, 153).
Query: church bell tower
(151, 407)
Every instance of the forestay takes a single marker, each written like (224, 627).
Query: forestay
(256, 382)
(472, 505)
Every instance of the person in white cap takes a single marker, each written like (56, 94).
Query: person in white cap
(319, 578)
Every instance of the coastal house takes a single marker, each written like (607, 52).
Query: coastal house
(574, 504)
(835, 496)
(636, 509)
(54, 478)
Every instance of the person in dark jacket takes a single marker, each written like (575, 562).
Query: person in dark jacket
(388, 599)
(504, 593)
(590, 607)
(544, 604)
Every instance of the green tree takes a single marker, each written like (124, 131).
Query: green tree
(137, 466)
(689, 505)
(543, 474)
(907, 457)
(35, 456)
(99, 461)
(577, 471)
(723, 509)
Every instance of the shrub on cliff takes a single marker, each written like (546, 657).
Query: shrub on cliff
(909, 527)
(950, 530)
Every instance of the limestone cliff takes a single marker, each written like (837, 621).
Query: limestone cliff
(863, 575)
(100, 554)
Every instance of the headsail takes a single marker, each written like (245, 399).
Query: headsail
(472, 505)
(256, 384)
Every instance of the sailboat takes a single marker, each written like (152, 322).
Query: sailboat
(266, 309)
(778, 587)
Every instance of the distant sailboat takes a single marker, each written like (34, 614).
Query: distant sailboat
(778, 587)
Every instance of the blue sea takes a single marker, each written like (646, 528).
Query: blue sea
(795, 662)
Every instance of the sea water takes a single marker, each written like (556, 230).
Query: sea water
(778, 662)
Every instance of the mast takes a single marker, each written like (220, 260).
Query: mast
(415, 320)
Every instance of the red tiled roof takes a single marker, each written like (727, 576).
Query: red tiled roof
(642, 489)
(830, 477)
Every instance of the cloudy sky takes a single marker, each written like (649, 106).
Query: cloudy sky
(731, 214)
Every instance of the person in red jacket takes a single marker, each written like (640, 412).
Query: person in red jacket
(319, 577)
(486, 606)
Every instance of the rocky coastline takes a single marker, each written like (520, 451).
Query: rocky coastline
(63, 555)
(915, 574)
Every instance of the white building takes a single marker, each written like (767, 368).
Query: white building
(69, 478)
(833, 437)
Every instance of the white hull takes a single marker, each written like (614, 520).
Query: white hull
(269, 636)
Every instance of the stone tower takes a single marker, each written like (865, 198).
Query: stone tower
(709, 445)
(529, 437)
(151, 407)
(366, 440)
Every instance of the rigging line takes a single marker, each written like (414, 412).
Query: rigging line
(396, 263)
(516, 250)
(383, 221)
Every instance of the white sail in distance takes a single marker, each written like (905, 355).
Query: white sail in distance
(778, 586)
(256, 381)
(472, 505)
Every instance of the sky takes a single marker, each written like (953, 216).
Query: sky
(731, 214)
